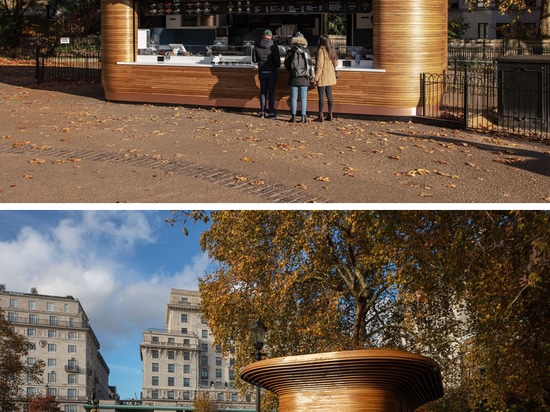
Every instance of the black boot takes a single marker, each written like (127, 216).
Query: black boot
(304, 119)
(320, 117)
(292, 118)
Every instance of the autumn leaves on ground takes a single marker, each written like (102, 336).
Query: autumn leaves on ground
(348, 160)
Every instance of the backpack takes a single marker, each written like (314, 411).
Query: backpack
(298, 64)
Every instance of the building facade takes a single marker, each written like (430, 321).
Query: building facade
(60, 334)
(180, 363)
(487, 22)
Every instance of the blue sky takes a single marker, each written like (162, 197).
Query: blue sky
(121, 265)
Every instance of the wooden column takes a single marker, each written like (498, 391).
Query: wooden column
(118, 40)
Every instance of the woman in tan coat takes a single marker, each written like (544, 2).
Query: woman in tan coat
(325, 75)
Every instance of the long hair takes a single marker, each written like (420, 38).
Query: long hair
(324, 41)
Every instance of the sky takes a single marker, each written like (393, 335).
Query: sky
(120, 265)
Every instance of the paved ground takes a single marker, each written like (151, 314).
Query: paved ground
(65, 143)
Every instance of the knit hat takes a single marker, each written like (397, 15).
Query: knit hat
(268, 33)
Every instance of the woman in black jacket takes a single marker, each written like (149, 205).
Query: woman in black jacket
(301, 73)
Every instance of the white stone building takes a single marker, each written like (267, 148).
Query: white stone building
(60, 334)
(180, 364)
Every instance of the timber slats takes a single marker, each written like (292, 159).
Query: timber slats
(358, 381)
(409, 38)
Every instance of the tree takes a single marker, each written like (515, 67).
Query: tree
(14, 371)
(518, 7)
(203, 403)
(46, 403)
(466, 288)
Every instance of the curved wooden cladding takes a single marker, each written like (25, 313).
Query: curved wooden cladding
(409, 38)
(118, 38)
(358, 381)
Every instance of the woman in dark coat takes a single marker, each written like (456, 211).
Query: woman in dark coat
(299, 81)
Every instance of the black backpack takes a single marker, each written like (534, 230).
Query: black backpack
(298, 64)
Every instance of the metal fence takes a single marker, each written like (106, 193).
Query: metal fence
(78, 60)
(68, 66)
(475, 94)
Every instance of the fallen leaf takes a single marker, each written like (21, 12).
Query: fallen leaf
(394, 157)
(36, 161)
(18, 144)
(322, 179)
(417, 172)
(241, 178)
(27, 176)
(257, 183)
(301, 186)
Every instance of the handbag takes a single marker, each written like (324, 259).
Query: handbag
(336, 73)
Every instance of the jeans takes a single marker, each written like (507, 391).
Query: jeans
(268, 84)
(294, 99)
(322, 91)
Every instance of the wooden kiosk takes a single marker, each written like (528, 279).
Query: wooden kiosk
(350, 381)
(408, 38)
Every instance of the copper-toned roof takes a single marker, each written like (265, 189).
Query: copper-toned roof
(412, 378)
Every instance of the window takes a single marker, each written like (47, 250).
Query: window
(184, 318)
(71, 364)
(155, 381)
(186, 382)
(155, 353)
(32, 346)
(12, 317)
(72, 348)
(72, 393)
(184, 331)
(154, 367)
(71, 322)
(52, 334)
(171, 368)
(31, 361)
(71, 379)
(71, 335)
(52, 378)
(71, 408)
(204, 373)
(171, 394)
(31, 391)
(218, 349)
(220, 396)
(234, 397)
(49, 307)
(482, 30)
(231, 374)
(52, 347)
(155, 339)
(204, 383)
(186, 341)
(218, 361)
(186, 355)
(204, 360)
(204, 333)
(186, 369)
(186, 396)
(31, 332)
(52, 362)
(155, 394)
(53, 320)
(170, 381)
(203, 321)
(33, 318)
(171, 341)
(184, 300)
(13, 303)
(218, 373)
(32, 304)
(171, 354)
(204, 347)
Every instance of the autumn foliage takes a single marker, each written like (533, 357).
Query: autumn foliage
(468, 288)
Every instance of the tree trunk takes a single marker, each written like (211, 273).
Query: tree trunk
(544, 20)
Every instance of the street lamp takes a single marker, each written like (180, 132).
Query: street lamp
(258, 333)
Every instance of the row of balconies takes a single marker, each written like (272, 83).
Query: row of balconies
(23, 320)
